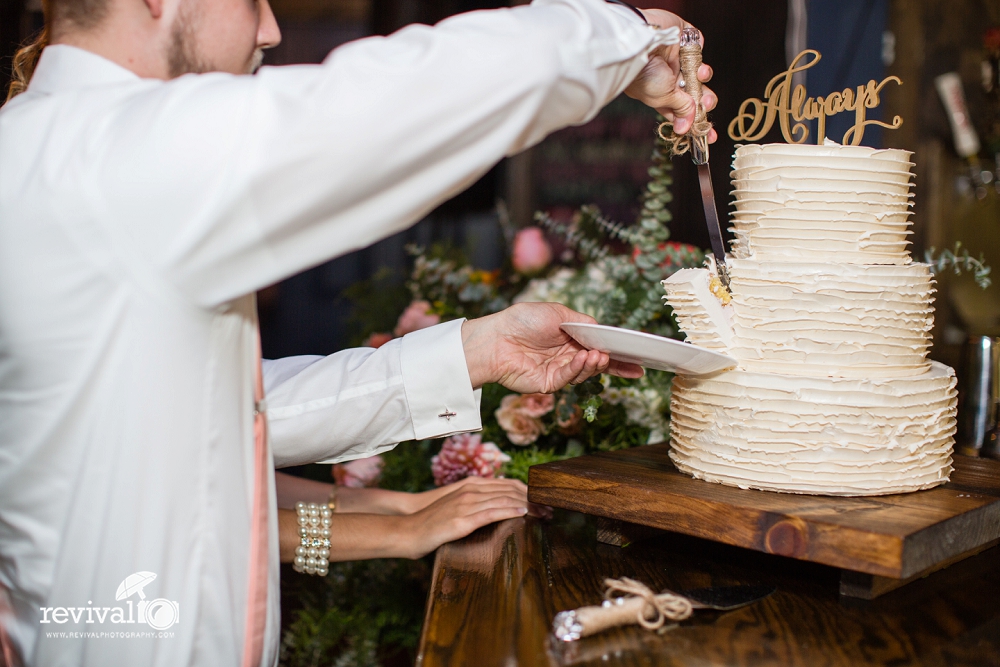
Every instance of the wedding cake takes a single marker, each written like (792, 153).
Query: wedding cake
(830, 322)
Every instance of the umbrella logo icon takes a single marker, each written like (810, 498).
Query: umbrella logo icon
(160, 613)
(134, 583)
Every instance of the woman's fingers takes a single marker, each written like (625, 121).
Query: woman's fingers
(705, 73)
(494, 514)
(491, 483)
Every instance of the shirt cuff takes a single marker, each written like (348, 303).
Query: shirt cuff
(436, 382)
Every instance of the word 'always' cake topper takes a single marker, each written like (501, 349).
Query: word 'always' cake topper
(788, 104)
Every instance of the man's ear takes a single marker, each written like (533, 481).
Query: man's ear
(155, 8)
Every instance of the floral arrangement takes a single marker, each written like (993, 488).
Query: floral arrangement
(587, 262)
(605, 269)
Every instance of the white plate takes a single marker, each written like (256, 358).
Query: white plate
(649, 350)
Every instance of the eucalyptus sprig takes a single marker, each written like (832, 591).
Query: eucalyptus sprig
(960, 261)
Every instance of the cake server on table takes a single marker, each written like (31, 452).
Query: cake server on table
(147, 188)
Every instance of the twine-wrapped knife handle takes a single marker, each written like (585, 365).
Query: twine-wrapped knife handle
(648, 609)
(696, 140)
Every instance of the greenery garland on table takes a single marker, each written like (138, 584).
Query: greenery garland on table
(369, 613)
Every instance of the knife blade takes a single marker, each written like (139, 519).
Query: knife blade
(690, 57)
(727, 598)
(712, 220)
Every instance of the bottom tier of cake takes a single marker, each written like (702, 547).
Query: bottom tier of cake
(829, 436)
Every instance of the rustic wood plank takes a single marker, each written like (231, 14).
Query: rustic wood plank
(869, 586)
(895, 536)
(495, 593)
(621, 533)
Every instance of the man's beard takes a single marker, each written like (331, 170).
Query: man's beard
(183, 56)
(255, 61)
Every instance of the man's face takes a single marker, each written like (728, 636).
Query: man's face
(220, 36)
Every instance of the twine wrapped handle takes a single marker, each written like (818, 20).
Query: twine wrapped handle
(696, 140)
(648, 609)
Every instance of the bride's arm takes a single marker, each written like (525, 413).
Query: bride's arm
(454, 512)
(291, 489)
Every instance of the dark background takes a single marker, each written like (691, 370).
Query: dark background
(604, 162)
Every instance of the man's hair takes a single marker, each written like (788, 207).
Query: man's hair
(79, 14)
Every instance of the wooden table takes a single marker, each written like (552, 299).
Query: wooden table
(494, 595)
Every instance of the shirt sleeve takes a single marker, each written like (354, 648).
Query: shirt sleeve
(364, 401)
(230, 183)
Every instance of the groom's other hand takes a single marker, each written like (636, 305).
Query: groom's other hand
(658, 84)
(524, 349)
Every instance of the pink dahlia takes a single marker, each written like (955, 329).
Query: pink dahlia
(466, 455)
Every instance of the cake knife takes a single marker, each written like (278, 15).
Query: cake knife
(690, 57)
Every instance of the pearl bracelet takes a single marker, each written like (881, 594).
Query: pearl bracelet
(312, 556)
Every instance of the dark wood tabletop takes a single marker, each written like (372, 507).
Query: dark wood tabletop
(494, 595)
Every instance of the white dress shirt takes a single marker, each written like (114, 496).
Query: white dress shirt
(136, 216)
(361, 402)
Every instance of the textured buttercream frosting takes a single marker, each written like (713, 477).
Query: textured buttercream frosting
(842, 204)
(698, 310)
(840, 320)
(831, 323)
(815, 435)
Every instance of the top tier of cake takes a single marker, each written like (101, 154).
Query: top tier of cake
(830, 203)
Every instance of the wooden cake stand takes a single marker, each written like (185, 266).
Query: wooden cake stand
(879, 543)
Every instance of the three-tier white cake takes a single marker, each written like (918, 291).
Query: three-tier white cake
(830, 321)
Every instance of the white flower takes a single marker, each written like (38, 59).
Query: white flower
(643, 406)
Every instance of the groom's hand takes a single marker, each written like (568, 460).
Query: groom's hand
(524, 349)
(658, 84)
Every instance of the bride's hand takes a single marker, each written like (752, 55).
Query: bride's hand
(418, 501)
(458, 509)
(524, 349)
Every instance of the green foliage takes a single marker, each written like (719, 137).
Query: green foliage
(443, 277)
(959, 260)
(630, 294)
(408, 466)
(378, 302)
(523, 458)
(364, 613)
(492, 395)
(369, 613)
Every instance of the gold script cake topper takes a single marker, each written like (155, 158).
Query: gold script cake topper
(791, 107)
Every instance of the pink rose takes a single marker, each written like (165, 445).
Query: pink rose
(532, 252)
(417, 316)
(537, 405)
(465, 455)
(359, 472)
(377, 340)
(520, 424)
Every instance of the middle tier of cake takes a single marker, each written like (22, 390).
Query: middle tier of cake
(832, 320)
